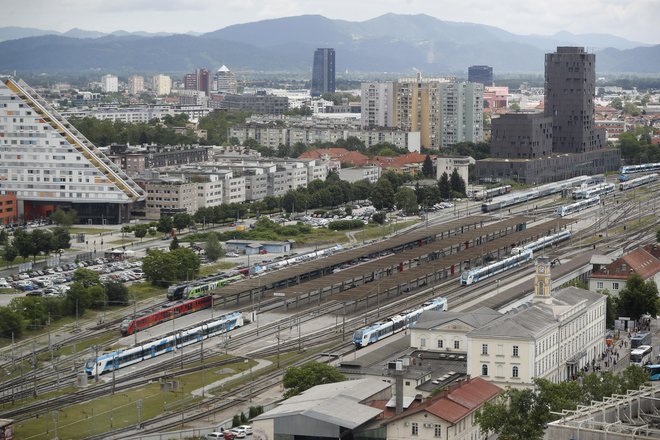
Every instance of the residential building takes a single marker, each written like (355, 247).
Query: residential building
(256, 184)
(109, 84)
(481, 74)
(449, 415)
(342, 155)
(521, 135)
(136, 115)
(370, 173)
(161, 85)
(447, 164)
(644, 261)
(225, 81)
(377, 99)
(168, 195)
(570, 88)
(333, 410)
(46, 163)
(461, 113)
(554, 337)
(199, 81)
(134, 159)
(613, 127)
(8, 209)
(323, 72)
(259, 103)
(496, 97)
(135, 84)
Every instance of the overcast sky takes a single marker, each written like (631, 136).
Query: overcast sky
(637, 20)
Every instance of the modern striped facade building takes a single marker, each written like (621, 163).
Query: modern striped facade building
(46, 163)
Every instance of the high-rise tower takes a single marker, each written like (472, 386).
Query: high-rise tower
(570, 87)
(323, 72)
(481, 74)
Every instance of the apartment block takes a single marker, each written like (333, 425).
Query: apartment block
(47, 163)
(370, 173)
(109, 84)
(8, 209)
(161, 85)
(259, 103)
(461, 113)
(256, 184)
(168, 196)
(135, 84)
(225, 81)
(520, 135)
(377, 104)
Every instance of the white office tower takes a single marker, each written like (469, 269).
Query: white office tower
(109, 84)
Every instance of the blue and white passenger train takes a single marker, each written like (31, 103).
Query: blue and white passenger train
(642, 168)
(639, 181)
(473, 275)
(542, 242)
(122, 358)
(593, 191)
(396, 323)
(565, 210)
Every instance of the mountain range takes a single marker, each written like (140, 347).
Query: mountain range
(392, 43)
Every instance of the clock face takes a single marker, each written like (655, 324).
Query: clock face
(542, 269)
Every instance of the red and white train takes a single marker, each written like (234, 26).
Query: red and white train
(130, 326)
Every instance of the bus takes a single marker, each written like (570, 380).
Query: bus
(641, 355)
(654, 371)
(640, 339)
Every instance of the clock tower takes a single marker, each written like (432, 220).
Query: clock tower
(542, 279)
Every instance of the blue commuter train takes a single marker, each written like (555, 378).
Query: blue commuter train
(123, 358)
(394, 324)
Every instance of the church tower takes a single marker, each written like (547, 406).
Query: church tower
(542, 280)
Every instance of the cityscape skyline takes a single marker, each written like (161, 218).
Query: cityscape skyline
(633, 20)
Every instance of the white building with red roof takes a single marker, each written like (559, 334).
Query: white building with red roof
(644, 261)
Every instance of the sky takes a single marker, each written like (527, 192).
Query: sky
(633, 19)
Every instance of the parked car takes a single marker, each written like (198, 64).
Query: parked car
(246, 428)
(239, 432)
(231, 254)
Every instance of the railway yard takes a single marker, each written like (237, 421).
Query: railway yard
(297, 314)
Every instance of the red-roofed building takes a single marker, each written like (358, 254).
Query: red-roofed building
(406, 163)
(644, 261)
(341, 155)
(449, 415)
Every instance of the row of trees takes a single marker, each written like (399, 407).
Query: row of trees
(162, 267)
(636, 146)
(86, 292)
(34, 243)
(521, 414)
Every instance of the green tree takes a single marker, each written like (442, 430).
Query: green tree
(165, 224)
(61, 239)
(617, 103)
(427, 167)
(382, 194)
(174, 244)
(42, 240)
(657, 235)
(444, 187)
(182, 220)
(77, 299)
(516, 414)
(140, 231)
(212, 248)
(631, 109)
(406, 200)
(64, 218)
(362, 190)
(160, 266)
(457, 183)
(298, 379)
(23, 243)
(188, 263)
(9, 253)
(10, 323)
(86, 277)
(379, 217)
(638, 298)
(116, 292)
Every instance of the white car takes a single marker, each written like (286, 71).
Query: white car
(231, 254)
(238, 432)
(246, 428)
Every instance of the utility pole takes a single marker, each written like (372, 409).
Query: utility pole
(278, 346)
(134, 316)
(96, 366)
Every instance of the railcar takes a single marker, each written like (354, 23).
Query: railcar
(488, 194)
(565, 210)
(542, 242)
(394, 324)
(592, 191)
(538, 192)
(147, 350)
(642, 168)
(201, 287)
(130, 326)
(634, 183)
(474, 275)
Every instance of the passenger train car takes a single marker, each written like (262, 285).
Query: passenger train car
(201, 287)
(380, 330)
(492, 192)
(634, 183)
(538, 192)
(298, 259)
(592, 191)
(474, 275)
(130, 326)
(130, 356)
(643, 168)
(565, 210)
(542, 242)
